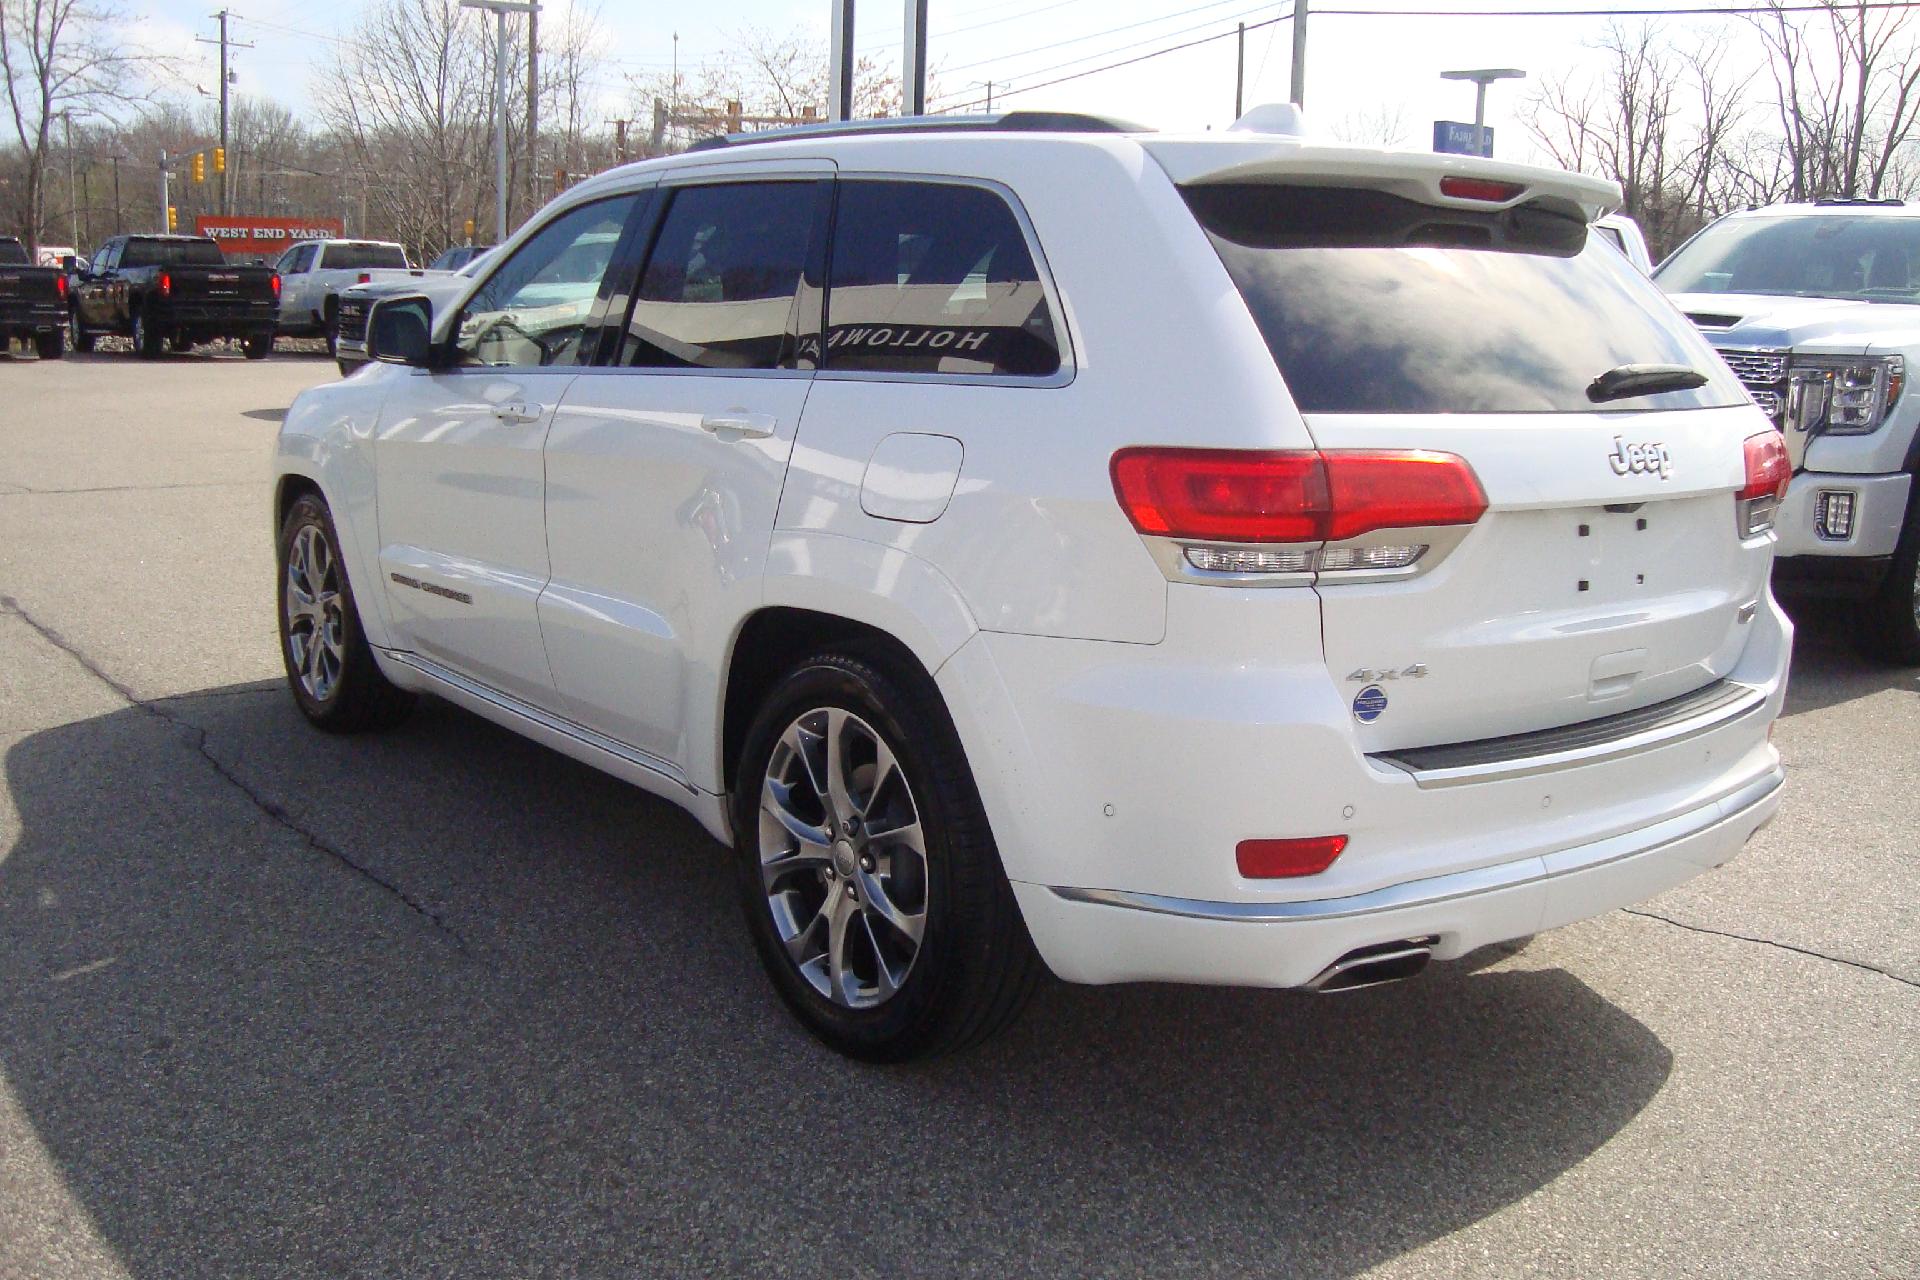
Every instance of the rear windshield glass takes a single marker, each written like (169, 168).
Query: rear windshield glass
(12, 254)
(1816, 255)
(1372, 303)
(359, 257)
(171, 253)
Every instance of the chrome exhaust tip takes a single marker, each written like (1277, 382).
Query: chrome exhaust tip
(1375, 966)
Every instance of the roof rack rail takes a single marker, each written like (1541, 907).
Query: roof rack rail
(1893, 202)
(999, 122)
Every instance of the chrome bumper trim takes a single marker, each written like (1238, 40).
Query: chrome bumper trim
(1729, 810)
(1572, 746)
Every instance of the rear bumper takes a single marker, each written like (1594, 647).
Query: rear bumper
(216, 317)
(34, 318)
(1102, 936)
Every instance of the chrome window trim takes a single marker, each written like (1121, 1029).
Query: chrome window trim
(1730, 810)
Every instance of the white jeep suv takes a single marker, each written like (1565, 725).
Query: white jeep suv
(1028, 540)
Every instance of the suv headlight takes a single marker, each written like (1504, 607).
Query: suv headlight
(1843, 395)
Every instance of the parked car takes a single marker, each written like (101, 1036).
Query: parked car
(33, 302)
(171, 292)
(1817, 309)
(1209, 558)
(1625, 235)
(350, 318)
(458, 256)
(314, 272)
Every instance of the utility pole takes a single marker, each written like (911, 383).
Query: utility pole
(73, 192)
(1481, 79)
(533, 109)
(840, 62)
(1240, 75)
(226, 204)
(913, 59)
(166, 194)
(118, 225)
(500, 9)
(1299, 98)
(620, 139)
(989, 97)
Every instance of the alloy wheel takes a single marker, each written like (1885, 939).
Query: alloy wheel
(843, 858)
(316, 623)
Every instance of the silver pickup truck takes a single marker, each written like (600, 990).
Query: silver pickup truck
(1817, 309)
(313, 274)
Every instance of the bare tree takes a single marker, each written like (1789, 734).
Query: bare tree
(59, 60)
(1844, 83)
(1381, 127)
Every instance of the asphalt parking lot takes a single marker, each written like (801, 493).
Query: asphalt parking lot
(442, 1003)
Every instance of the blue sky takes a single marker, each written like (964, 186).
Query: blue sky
(1358, 66)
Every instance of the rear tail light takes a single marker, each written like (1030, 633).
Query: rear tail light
(1283, 859)
(1480, 189)
(1769, 472)
(60, 283)
(1331, 496)
(166, 284)
(276, 284)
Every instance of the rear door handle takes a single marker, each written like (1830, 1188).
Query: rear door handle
(517, 411)
(738, 424)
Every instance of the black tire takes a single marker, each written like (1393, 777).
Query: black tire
(330, 322)
(148, 342)
(257, 346)
(358, 697)
(975, 965)
(179, 344)
(1887, 626)
(78, 338)
(51, 345)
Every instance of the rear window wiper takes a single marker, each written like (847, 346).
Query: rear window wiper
(1643, 380)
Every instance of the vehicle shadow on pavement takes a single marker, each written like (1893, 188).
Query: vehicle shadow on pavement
(1827, 669)
(442, 1002)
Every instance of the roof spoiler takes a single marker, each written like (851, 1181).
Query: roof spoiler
(1449, 181)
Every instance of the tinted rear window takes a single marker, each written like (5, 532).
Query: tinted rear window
(12, 254)
(171, 253)
(360, 257)
(1372, 303)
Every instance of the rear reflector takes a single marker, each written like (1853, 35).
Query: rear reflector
(1480, 189)
(1280, 859)
(1228, 495)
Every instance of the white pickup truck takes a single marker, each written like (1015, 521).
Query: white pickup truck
(1817, 309)
(313, 274)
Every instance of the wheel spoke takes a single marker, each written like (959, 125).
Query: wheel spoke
(838, 792)
(883, 977)
(801, 946)
(811, 748)
(885, 769)
(837, 971)
(776, 800)
(878, 902)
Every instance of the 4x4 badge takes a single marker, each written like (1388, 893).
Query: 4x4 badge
(1650, 459)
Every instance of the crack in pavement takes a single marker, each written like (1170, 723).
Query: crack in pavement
(1770, 942)
(270, 808)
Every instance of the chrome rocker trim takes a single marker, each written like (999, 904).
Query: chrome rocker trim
(457, 684)
(1730, 810)
(1523, 755)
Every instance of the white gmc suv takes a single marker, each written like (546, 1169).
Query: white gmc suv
(1027, 540)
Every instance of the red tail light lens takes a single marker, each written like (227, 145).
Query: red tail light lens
(1769, 471)
(60, 283)
(1227, 495)
(364, 277)
(276, 284)
(166, 284)
(1281, 859)
(1480, 189)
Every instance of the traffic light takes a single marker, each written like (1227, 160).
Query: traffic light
(199, 166)
(173, 219)
(469, 230)
(559, 181)
(219, 159)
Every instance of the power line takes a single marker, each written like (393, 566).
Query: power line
(1111, 31)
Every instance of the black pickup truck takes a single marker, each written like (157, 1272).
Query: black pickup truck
(33, 302)
(171, 292)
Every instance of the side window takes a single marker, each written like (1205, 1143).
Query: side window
(719, 289)
(107, 259)
(299, 259)
(934, 278)
(534, 307)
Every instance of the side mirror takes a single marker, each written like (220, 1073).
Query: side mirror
(400, 331)
(69, 263)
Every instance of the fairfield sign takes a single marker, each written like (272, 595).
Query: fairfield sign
(268, 236)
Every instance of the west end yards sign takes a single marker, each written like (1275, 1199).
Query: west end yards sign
(265, 236)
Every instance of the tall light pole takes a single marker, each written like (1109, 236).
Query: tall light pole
(500, 9)
(1481, 79)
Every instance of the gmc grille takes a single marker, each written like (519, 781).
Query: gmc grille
(1764, 375)
(353, 321)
